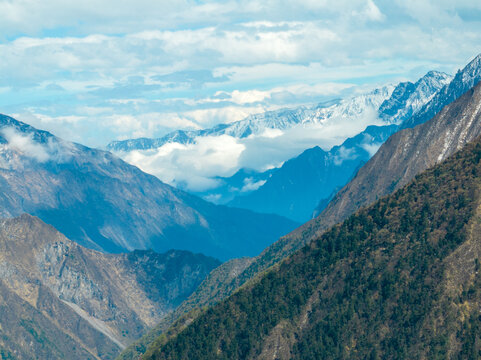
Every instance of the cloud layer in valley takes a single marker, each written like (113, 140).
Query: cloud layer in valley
(194, 167)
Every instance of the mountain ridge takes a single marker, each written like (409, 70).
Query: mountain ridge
(293, 241)
(409, 97)
(283, 191)
(100, 201)
(60, 300)
(257, 123)
(372, 286)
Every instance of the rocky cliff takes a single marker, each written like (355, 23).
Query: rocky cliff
(60, 300)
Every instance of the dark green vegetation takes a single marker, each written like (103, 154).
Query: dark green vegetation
(395, 280)
(404, 155)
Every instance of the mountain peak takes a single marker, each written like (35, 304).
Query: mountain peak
(435, 76)
(474, 64)
(471, 73)
(408, 98)
(464, 80)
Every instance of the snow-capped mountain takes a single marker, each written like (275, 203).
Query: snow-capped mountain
(393, 104)
(295, 189)
(323, 171)
(464, 80)
(278, 120)
(408, 98)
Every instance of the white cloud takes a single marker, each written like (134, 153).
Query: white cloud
(209, 117)
(191, 166)
(371, 148)
(251, 185)
(93, 72)
(27, 146)
(195, 166)
(371, 12)
(24, 144)
(344, 154)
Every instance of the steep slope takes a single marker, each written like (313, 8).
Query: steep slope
(293, 241)
(104, 203)
(397, 279)
(62, 301)
(460, 117)
(409, 152)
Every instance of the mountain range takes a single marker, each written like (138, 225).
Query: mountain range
(310, 179)
(103, 203)
(457, 124)
(394, 104)
(395, 269)
(296, 188)
(274, 120)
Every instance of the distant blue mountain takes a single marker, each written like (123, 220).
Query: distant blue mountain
(101, 202)
(295, 189)
(303, 185)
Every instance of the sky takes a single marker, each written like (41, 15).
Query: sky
(96, 71)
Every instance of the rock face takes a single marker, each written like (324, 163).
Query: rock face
(101, 202)
(396, 279)
(59, 300)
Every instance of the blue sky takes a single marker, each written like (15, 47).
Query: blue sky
(95, 71)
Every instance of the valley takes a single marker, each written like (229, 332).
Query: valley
(240, 180)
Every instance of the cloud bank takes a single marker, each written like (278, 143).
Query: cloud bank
(194, 167)
(117, 70)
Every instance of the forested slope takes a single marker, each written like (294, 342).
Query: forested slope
(398, 279)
